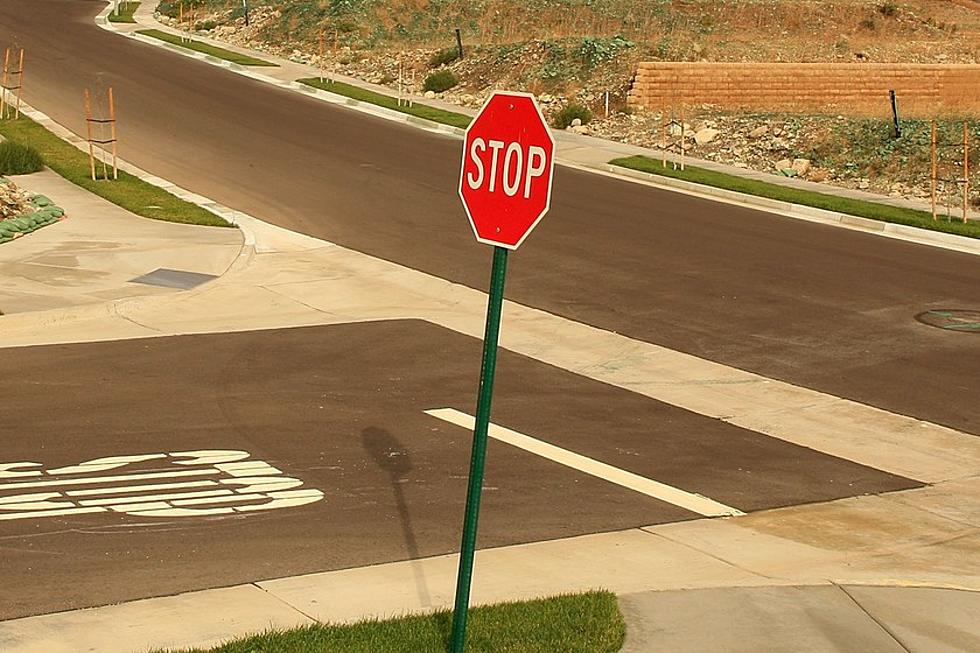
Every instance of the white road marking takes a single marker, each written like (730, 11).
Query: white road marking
(48, 513)
(249, 468)
(209, 456)
(113, 479)
(114, 501)
(250, 485)
(104, 464)
(138, 488)
(689, 501)
(8, 470)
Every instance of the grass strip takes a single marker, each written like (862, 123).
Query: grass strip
(581, 623)
(418, 110)
(204, 48)
(860, 208)
(126, 11)
(128, 192)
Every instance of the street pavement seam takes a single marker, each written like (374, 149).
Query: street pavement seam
(785, 209)
(880, 625)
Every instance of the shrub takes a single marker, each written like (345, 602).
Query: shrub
(569, 113)
(205, 26)
(443, 57)
(440, 81)
(888, 9)
(17, 159)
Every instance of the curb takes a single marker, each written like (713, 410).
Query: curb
(797, 211)
(234, 217)
(334, 98)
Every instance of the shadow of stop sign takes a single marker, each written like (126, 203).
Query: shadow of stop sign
(508, 168)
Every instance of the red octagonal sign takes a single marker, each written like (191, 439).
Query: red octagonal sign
(508, 168)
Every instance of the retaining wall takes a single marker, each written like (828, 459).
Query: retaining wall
(859, 89)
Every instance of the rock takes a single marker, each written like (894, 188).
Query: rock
(546, 99)
(776, 131)
(705, 136)
(784, 164)
(580, 129)
(576, 122)
(674, 129)
(802, 166)
(468, 99)
(864, 184)
(759, 132)
(429, 95)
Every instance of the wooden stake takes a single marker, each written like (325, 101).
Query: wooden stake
(966, 170)
(321, 56)
(112, 127)
(3, 84)
(20, 83)
(682, 136)
(88, 128)
(935, 171)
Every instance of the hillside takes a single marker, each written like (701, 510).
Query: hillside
(575, 51)
(562, 46)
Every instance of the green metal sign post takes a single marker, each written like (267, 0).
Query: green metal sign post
(505, 184)
(479, 456)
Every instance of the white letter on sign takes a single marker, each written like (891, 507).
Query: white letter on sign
(495, 146)
(535, 167)
(514, 150)
(476, 182)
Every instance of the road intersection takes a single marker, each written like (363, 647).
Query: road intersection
(769, 366)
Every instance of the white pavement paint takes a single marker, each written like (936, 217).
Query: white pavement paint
(694, 502)
(250, 485)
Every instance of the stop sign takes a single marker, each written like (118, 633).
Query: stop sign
(508, 168)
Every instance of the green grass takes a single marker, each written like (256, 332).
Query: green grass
(19, 159)
(129, 192)
(419, 110)
(125, 15)
(846, 205)
(204, 48)
(582, 623)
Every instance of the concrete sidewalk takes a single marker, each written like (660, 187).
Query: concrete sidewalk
(95, 254)
(814, 619)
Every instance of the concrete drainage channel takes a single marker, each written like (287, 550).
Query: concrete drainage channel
(964, 320)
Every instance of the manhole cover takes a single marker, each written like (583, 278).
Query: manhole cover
(957, 319)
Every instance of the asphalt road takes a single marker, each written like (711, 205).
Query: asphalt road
(341, 409)
(810, 304)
